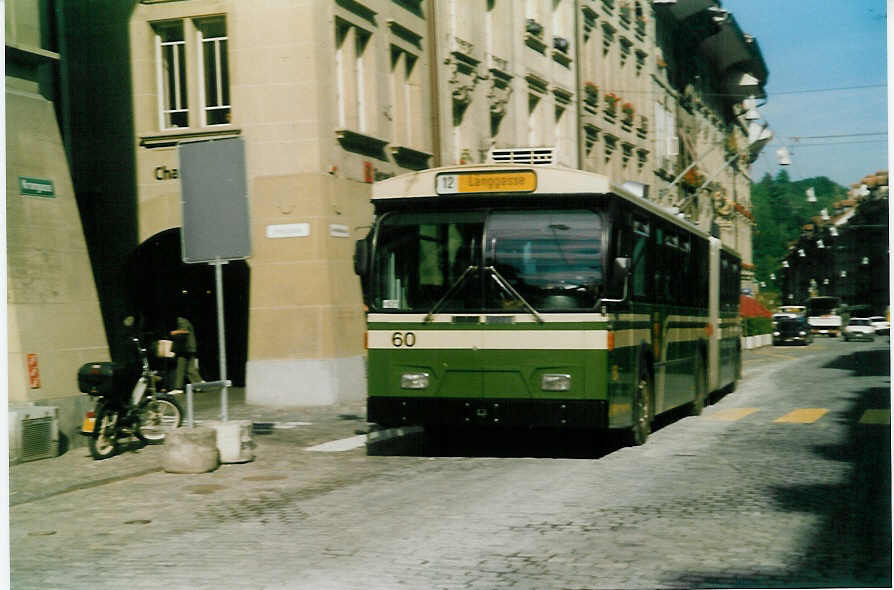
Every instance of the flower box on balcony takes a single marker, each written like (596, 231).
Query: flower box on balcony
(591, 93)
(534, 36)
(611, 102)
(643, 129)
(625, 13)
(560, 51)
(561, 43)
(640, 26)
(533, 27)
(693, 179)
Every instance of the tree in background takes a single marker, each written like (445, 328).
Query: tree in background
(781, 210)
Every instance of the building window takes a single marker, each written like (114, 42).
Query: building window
(354, 76)
(535, 123)
(407, 97)
(205, 41)
(215, 95)
(170, 59)
(537, 110)
(666, 144)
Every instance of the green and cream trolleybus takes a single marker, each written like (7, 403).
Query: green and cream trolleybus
(540, 296)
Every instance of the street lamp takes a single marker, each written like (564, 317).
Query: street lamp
(811, 195)
(784, 157)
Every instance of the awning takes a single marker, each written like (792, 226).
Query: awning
(749, 307)
(682, 9)
(731, 47)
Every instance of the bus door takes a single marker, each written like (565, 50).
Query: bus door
(631, 331)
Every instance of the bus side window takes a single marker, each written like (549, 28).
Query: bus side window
(639, 259)
(686, 283)
(724, 281)
(700, 273)
(665, 265)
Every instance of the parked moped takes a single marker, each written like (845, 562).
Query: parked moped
(124, 407)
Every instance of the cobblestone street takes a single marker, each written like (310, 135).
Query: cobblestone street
(746, 495)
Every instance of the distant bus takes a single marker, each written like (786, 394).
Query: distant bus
(506, 296)
(823, 316)
(788, 311)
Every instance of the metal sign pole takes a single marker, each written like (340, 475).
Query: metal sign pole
(221, 337)
(216, 226)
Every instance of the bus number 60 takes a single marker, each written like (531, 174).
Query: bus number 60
(407, 339)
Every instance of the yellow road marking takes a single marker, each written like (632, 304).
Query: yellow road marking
(803, 416)
(731, 414)
(776, 354)
(876, 417)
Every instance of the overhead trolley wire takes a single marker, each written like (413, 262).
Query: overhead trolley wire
(769, 94)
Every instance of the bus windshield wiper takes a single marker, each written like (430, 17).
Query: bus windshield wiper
(504, 284)
(462, 279)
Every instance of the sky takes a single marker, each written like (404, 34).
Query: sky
(828, 77)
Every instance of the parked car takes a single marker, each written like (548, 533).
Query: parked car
(782, 316)
(792, 330)
(881, 325)
(859, 329)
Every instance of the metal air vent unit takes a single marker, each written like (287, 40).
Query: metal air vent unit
(542, 156)
(33, 433)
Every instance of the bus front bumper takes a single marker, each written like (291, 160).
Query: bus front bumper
(498, 413)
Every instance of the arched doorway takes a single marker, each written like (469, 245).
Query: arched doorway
(161, 287)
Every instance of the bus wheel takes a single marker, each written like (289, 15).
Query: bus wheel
(698, 404)
(642, 411)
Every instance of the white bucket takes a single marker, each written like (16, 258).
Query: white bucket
(234, 440)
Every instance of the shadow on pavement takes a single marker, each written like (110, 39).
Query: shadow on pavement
(864, 363)
(851, 545)
(540, 443)
(500, 443)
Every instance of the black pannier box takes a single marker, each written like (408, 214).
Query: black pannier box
(105, 378)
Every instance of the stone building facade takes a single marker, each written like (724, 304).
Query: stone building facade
(52, 309)
(331, 95)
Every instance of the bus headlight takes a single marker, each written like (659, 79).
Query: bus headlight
(555, 382)
(414, 380)
(776, 333)
(802, 333)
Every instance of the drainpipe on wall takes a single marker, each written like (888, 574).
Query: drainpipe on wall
(434, 69)
(578, 40)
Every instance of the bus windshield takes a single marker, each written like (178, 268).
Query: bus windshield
(817, 306)
(551, 259)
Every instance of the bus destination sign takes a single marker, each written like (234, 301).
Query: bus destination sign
(521, 181)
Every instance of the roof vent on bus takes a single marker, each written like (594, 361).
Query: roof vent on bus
(523, 155)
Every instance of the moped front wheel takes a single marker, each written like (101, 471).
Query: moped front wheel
(156, 417)
(104, 442)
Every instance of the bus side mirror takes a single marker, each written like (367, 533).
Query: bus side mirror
(619, 274)
(361, 258)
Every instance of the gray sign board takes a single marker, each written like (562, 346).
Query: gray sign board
(214, 201)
